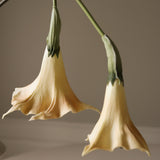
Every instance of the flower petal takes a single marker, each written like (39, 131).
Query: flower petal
(50, 95)
(114, 128)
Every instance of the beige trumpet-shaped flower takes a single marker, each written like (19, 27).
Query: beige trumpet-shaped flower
(50, 95)
(114, 128)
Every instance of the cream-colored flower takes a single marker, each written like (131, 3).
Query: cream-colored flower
(114, 128)
(50, 95)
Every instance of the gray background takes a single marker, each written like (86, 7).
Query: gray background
(133, 25)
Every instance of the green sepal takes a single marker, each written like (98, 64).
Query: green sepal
(53, 45)
(114, 60)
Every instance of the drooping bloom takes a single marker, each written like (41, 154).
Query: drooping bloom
(114, 128)
(50, 95)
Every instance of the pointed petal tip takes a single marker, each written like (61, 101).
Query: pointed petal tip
(39, 116)
(87, 139)
(31, 119)
(95, 109)
(83, 153)
(3, 116)
(146, 151)
(86, 150)
(12, 109)
(92, 108)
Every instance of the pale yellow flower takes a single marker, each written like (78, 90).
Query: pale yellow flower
(50, 95)
(114, 128)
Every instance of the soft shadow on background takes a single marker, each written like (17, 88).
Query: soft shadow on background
(132, 25)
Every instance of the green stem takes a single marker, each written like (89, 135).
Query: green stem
(54, 3)
(90, 17)
(3, 2)
(114, 59)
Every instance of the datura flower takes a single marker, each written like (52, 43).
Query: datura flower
(114, 128)
(50, 95)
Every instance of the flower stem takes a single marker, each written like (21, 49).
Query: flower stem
(54, 3)
(114, 59)
(3, 2)
(90, 17)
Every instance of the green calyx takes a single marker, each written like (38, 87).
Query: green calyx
(114, 60)
(54, 32)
